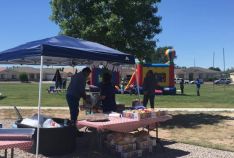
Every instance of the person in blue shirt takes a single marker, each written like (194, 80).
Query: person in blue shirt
(198, 85)
(107, 93)
(75, 91)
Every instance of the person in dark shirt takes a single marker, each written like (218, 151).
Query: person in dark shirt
(149, 86)
(75, 91)
(107, 93)
(182, 86)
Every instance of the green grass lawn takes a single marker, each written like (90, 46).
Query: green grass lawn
(193, 125)
(26, 94)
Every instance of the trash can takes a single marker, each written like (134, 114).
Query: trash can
(54, 141)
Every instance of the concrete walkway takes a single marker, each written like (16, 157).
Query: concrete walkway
(168, 109)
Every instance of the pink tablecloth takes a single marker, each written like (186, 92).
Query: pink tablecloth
(23, 145)
(122, 124)
(15, 137)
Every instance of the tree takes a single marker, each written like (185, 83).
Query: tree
(230, 70)
(158, 56)
(126, 25)
(23, 77)
(214, 68)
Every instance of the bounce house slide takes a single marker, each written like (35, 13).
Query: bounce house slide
(131, 81)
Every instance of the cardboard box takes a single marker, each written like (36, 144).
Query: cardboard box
(125, 147)
(132, 154)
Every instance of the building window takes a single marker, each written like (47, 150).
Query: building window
(31, 76)
(191, 76)
(38, 76)
(200, 76)
(181, 76)
(3, 76)
(13, 76)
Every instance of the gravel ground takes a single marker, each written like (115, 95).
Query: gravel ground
(88, 149)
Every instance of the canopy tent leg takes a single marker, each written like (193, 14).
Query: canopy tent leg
(137, 83)
(39, 106)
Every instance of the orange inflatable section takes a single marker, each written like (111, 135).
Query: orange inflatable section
(131, 81)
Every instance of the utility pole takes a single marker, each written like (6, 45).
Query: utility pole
(213, 58)
(224, 67)
(223, 61)
(213, 67)
(194, 62)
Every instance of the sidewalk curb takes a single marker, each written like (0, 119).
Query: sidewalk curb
(167, 109)
(199, 109)
(34, 108)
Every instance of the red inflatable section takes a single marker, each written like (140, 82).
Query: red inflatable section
(139, 74)
(171, 76)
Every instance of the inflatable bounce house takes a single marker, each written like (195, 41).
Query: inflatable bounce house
(164, 74)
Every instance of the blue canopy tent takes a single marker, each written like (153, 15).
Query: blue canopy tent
(61, 51)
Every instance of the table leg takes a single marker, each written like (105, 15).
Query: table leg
(158, 141)
(5, 154)
(12, 152)
(99, 139)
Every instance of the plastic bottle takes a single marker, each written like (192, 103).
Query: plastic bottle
(65, 122)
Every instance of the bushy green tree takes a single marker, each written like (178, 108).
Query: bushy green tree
(23, 77)
(158, 56)
(215, 68)
(126, 25)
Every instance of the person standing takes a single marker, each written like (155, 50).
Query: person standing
(182, 86)
(149, 86)
(75, 91)
(198, 85)
(107, 93)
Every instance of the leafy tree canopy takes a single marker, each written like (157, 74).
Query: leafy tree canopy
(158, 56)
(126, 25)
(214, 68)
(230, 70)
(23, 77)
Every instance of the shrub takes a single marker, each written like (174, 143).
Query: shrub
(23, 77)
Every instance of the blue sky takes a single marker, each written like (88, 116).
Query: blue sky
(195, 28)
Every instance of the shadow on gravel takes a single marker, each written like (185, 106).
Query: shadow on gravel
(194, 120)
(87, 148)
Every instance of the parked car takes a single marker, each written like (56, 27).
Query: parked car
(193, 81)
(178, 80)
(186, 81)
(222, 81)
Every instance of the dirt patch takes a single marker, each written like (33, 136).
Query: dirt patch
(26, 113)
(213, 130)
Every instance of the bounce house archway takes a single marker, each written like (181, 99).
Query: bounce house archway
(164, 74)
